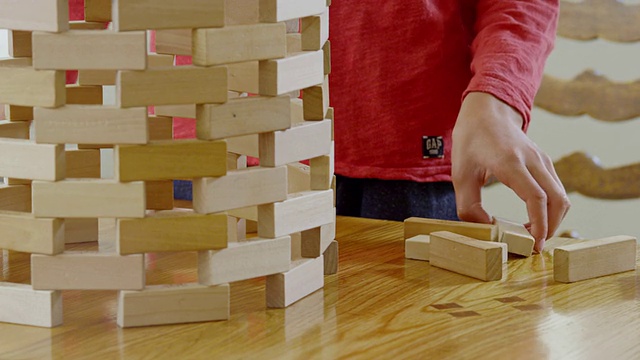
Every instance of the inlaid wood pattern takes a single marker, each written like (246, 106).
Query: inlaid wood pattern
(607, 19)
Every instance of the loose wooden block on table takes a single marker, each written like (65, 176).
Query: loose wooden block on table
(167, 14)
(173, 304)
(172, 86)
(240, 188)
(316, 101)
(172, 231)
(594, 258)
(97, 10)
(90, 124)
(243, 116)
(301, 211)
(314, 242)
(74, 270)
(174, 42)
(88, 198)
(167, 160)
(22, 232)
(83, 163)
(28, 87)
(464, 255)
(18, 113)
(80, 230)
(20, 304)
(421, 226)
(240, 43)
(298, 177)
(244, 77)
(159, 195)
(305, 277)
(19, 43)
(282, 10)
(322, 169)
(315, 31)
(331, 257)
(302, 141)
(24, 159)
(244, 260)
(417, 247)
(15, 198)
(295, 72)
(14, 130)
(516, 236)
(44, 15)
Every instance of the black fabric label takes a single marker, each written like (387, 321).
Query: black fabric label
(432, 147)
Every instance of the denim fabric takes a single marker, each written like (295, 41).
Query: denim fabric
(182, 190)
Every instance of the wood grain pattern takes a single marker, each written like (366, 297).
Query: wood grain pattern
(422, 226)
(24, 159)
(25, 233)
(167, 14)
(52, 15)
(464, 255)
(20, 304)
(28, 87)
(605, 19)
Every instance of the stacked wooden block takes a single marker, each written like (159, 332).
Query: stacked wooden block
(239, 47)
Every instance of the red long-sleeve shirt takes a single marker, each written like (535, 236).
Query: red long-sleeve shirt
(401, 69)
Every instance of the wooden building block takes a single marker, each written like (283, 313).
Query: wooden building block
(172, 231)
(183, 111)
(172, 86)
(74, 270)
(14, 130)
(240, 188)
(44, 15)
(241, 43)
(20, 304)
(505, 252)
(15, 198)
(331, 257)
(19, 43)
(302, 141)
(159, 195)
(315, 31)
(244, 145)
(282, 10)
(314, 242)
(241, 12)
(90, 49)
(294, 43)
(160, 128)
(322, 168)
(236, 162)
(244, 260)
(242, 116)
(22, 232)
(173, 304)
(170, 160)
(316, 101)
(80, 230)
(24, 159)
(14, 181)
(518, 239)
(86, 25)
(594, 258)
(298, 178)
(167, 14)
(97, 77)
(90, 124)
(28, 87)
(88, 198)
(107, 235)
(301, 211)
(83, 163)
(16, 62)
(159, 61)
(326, 50)
(464, 255)
(248, 213)
(84, 95)
(97, 10)
(18, 113)
(295, 72)
(244, 77)
(174, 42)
(297, 111)
(421, 226)
(330, 115)
(417, 247)
(305, 277)
(296, 246)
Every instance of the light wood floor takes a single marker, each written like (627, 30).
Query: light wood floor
(379, 306)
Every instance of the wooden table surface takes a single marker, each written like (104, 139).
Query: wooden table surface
(380, 305)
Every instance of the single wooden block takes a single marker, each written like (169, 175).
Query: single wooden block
(160, 128)
(24, 159)
(159, 61)
(594, 258)
(22, 232)
(167, 160)
(172, 231)
(14, 130)
(295, 72)
(14, 181)
(518, 239)
(159, 195)
(107, 235)
(88, 198)
(294, 43)
(240, 43)
(172, 86)
(84, 95)
(20, 304)
(303, 141)
(314, 242)
(86, 25)
(83, 163)
(467, 256)
(236, 162)
(90, 124)
(241, 12)
(80, 230)
(331, 256)
(97, 77)
(44, 15)
(244, 77)
(505, 252)
(167, 14)
(301, 211)
(305, 277)
(421, 226)
(298, 178)
(18, 113)
(97, 10)
(330, 117)
(240, 188)
(15, 198)
(28, 87)
(16, 62)
(174, 42)
(297, 111)
(326, 50)
(244, 145)
(243, 116)
(248, 213)
(417, 247)
(316, 101)
(322, 168)
(74, 270)
(183, 111)
(296, 246)
(282, 10)
(90, 49)
(244, 260)
(315, 31)
(173, 304)
(19, 43)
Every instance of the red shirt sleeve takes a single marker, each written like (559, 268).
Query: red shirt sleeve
(513, 40)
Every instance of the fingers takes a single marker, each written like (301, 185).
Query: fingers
(557, 201)
(469, 199)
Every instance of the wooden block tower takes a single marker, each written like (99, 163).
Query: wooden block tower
(251, 61)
